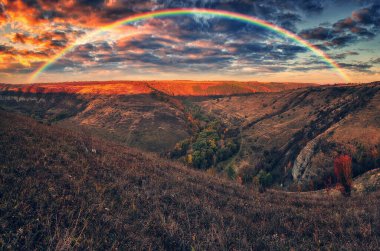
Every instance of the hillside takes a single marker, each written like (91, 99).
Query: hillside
(292, 134)
(142, 121)
(66, 190)
(173, 88)
(296, 135)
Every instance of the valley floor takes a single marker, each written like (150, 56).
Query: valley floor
(65, 190)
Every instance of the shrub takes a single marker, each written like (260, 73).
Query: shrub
(180, 149)
(247, 174)
(231, 173)
(343, 173)
(265, 179)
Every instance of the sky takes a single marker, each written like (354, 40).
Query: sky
(192, 47)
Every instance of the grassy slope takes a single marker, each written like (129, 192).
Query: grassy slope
(59, 189)
(140, 121)
(341, 118)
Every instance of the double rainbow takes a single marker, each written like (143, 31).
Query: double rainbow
(216, 13)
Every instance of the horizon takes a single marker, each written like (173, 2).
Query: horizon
(191, 80)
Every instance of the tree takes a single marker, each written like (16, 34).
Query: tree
(343, 173)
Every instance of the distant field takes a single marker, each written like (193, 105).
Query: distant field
(174, 88)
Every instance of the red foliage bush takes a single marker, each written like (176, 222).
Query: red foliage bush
(343, 173)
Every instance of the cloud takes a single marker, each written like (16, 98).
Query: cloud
(376, 61)
(100, 12)
(368, 16)
(318, 33)
(168, 51)
(345, 54)
(3, 15)
(39, 29)
(360, 67)
(46, 39)
(343, 40)
(363, 24)
(11, 56)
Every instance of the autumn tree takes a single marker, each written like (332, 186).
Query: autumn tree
(343, 173)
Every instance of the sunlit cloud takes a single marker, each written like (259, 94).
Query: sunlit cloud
(34, 31)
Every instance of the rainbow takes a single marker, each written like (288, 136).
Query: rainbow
(216, 13)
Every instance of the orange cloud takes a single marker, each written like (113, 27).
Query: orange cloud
(46, 39)
(10, 56)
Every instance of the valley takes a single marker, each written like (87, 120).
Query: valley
(64, 189)
(293, 135)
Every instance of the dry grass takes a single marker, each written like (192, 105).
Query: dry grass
(61, 190)
(324, 121)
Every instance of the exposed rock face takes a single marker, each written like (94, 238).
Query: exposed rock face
(303, 162)
(22, 99)
(308, 162)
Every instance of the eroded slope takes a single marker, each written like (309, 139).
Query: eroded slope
(296, 135)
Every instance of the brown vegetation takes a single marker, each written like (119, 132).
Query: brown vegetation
(343, 173)
(296, 135)
(60, 190)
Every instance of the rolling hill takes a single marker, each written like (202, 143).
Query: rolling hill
(297, 134)
(292, 133)
(173, 88)
(62, 190)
